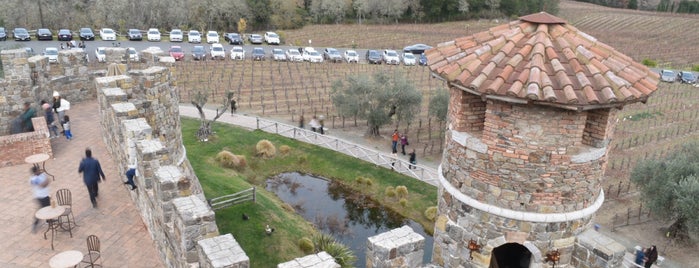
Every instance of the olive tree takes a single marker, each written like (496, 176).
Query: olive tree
(670, 188)
(439, 105)
(379, 99)
(199, 100)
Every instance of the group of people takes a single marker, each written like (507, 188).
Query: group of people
(317, 124)
(403, 140)
(54, 113)
(647, 256)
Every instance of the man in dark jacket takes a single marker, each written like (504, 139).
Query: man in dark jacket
(92, 171)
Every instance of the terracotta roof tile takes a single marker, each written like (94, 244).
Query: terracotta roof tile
(542, 59)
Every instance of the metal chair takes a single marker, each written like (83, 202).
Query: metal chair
(93, 252)
(65, 198)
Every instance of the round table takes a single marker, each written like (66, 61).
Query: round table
(70, 258)
(50, 214)
(35, 159)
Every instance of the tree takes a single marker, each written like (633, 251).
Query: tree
(439, 105)
(199, 100)
(670, 188)
(377, 99)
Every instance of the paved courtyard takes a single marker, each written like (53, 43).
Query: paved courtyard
(125, 241)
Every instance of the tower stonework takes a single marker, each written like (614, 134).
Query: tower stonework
(533, 106)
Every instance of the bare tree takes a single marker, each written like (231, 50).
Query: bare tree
(199, 100)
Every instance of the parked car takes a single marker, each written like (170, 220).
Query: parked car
(133, 54)
(271, 38)
(86, 34)
(107, 34)
(423, 60)
(255, 39)
(176, 35)
(416, 49)
(373, 56)
(44, 34)
(51, 53)
(311, 55)
(65, 35)
(351, 56)
(293, 54)
(278, 54)
(153, 35)
(237, 53)
(390, 57)
(176, 52)
(21, 34)
(332, 54)
(686, 77)
(212, 37)
(217, 52)
(194, 36)
(3, 34)
(667, 76)
(258, 53)
(134, 35)
(233, 38)
(100, 54)
(409, 59)
(198, 53)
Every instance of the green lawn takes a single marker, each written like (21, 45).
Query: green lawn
(268, 251)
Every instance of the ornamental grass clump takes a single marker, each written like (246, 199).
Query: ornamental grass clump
(431, 213)
(230, 160)
(342, 254)
(306, 245)
(390, 192)
(284, 149)
(265, 149)
(402, 191)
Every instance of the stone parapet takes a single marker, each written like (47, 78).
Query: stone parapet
(16, 147)
(194, 221)
(320, 260)
(400, 247)
(594, 249)
(222, 252)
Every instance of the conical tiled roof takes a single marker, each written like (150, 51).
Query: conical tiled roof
(542, 59)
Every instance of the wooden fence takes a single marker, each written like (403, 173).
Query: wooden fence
(631, 217)
(232, 199)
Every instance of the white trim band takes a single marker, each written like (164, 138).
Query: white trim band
(520, 215)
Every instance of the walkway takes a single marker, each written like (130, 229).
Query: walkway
(124, 238)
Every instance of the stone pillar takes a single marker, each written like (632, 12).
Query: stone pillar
(400, 247)
(194, 221)
(320, 260)
(221, 252)
(593, 249)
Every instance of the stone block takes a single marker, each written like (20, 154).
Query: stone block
(221, 252)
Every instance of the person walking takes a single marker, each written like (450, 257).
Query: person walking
(413, 159)
(301, 121)
(403, 143)
(92, 171)
(651, 256)
(26, 117)
(394, 158)
(60, 105)
(394, 141)
(233, 106)
(314, 124)
(50, 120)
(640, 256)
(40, 188)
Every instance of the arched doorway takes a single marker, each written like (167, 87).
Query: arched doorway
(510, 255)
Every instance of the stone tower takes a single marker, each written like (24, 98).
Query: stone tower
(532, 110)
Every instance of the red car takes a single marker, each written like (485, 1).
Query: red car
(176, 52)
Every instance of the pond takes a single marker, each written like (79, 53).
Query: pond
(347, 215)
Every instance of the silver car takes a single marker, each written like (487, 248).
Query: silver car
(667, 76)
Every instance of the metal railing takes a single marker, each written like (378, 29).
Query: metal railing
(419, 172)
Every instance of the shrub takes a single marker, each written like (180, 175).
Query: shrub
(431, 213)
(359, 180)
(265, 149)
(306, 245)
(695, 68)
(402, 191)
(303, 159)
(368, 182)
(390, 192)
(284, 149)
(341, 253)
(650, 63)
(403, 202)
(225, 158)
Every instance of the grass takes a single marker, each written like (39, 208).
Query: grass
(282, 246)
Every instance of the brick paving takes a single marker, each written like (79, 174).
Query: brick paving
(124, 239)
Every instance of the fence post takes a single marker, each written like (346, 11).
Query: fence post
(640, 207)
(254, 198)
(628, 215)
(618, 191)
(257, 120)
(276, 128)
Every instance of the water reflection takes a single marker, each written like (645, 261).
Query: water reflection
(349, 216)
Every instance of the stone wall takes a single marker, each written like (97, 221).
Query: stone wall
(140, 125)
(16, 147)
(593, 249)
(400, 247)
